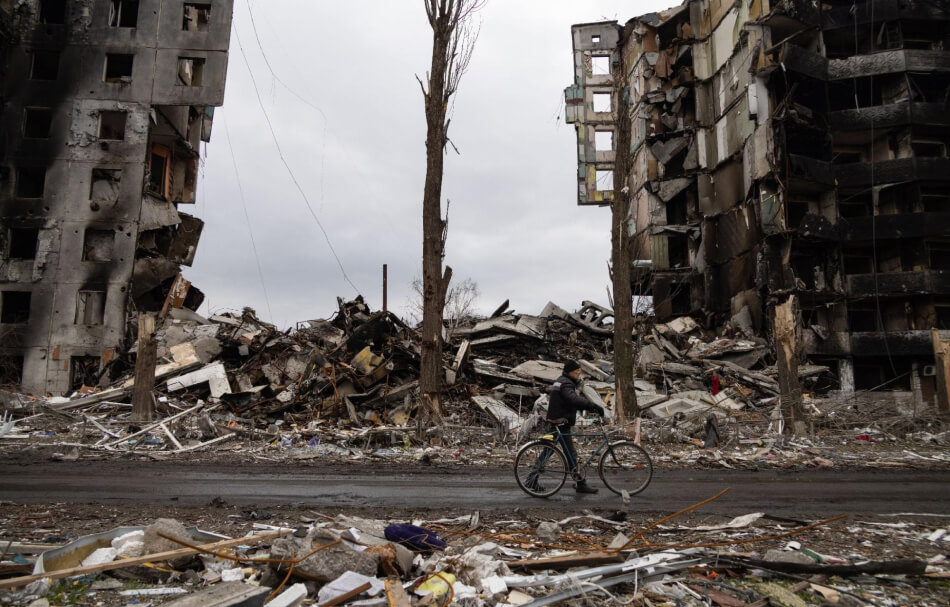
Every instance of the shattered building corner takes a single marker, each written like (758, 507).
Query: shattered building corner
(105, 106)
(785, 150)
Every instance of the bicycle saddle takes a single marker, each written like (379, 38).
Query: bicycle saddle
(559, 421)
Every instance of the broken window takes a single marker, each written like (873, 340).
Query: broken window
(83, 371)
(53, 12)
(939, 257)
(604, 141)
(934, 198)
(23, 243)
(196, 18)
(603, 102)
(595, 39)
(928, 148)
(678, 251)
(112, 125)
(36, 122)
(11, 370)
(15, 307)
(98, 245)
(45, 65)
(124, 13)
(676, 211)
(30, 182)
(104, 188)
(862, 320)
(90, 307)
(118, 67)
(605, 180)
(600, 65)
(680, 300)
(858, 262)
(191, 70)
(158, 170)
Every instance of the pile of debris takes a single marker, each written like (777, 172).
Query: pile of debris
(349, 386)
(753, 559)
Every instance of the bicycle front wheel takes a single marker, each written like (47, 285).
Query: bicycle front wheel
(540, 469)
(625, 466)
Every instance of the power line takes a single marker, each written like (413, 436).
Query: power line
(290, 171)
(237, 177)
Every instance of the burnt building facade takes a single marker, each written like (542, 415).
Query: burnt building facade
(784, 152)
(105, 106)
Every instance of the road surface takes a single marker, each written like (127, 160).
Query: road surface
(779, 493)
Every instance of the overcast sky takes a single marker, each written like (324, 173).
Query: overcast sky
(514, 225)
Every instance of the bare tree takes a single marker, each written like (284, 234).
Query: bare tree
(461, 302)
(453, 40)
(622, 257)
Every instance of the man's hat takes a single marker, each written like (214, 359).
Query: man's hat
(570, 366)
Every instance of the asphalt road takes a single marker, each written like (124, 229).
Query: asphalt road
(779, 493)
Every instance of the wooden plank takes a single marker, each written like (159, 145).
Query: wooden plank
(205, 444)
(347, 595)
(171, 436)
(395, 594)
(583, 559)
(141, 560)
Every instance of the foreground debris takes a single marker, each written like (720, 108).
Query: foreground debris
(307, 557)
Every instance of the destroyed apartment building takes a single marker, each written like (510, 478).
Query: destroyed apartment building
(789, 173)
(105, 106)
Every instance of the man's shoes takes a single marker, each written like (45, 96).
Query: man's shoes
(583, 487)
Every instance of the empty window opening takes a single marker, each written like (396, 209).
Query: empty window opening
(605, 180)
(603, 102)
(15, 307)
(928, 148)
(796, 213)
(158, 170)
(197, 18)
(23, 243)
(862, 321)
(600, 65)
(118, 67)
(104, 188)
(191, 71)
(30, 183)
(942, 313)
(83, 371)
(11, 370)
(604, 141)
(53, 12)
(678, 251)
(858, 263)
(124, 13)
(90, 307)
(934, 199)
(676, 211)
(595, 39)
(939, 257)
(112, 125)
(98, 245)
(45, 65)
(877, 373)
(37, 122)
(680, 303)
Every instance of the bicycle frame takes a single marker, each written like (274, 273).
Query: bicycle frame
(559, 439)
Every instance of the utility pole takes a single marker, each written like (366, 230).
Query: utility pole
(143, 407)
(385, 287)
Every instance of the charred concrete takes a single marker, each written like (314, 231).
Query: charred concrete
(105, 107)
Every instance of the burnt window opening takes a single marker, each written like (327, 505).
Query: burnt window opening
(929, 88)
(934, 199)
(804, 269)
(118, 67)
(45, 65)
(878, 373)
(600, 65)
(603, 102)
(158, 170)
(30, 182)
(191, 71)
(90, 307)
(83, 371)
(11, 370)
(676, 211)
(863, 321)
(112, 125)
(939, 257)
(604, 141)
(605, 180)
(680, 303)
(678, 250)
(196, 17)
(858, 262)
(856, 204)
(942, 314)
(53, 12)
(930, 148)
(98, 245)
(104, 187)
(37, 122)
(796, 213)
(124, 13)
(23, 243)
(15, 307)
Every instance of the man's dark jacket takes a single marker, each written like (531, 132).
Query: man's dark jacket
(565, 402)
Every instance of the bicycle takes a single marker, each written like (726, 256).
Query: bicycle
(542, 465)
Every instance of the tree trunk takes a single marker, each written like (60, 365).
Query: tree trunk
(622, 258)
(434, 284)
(143, 407)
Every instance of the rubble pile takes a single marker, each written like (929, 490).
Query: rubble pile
(348, 387)
(472, 561)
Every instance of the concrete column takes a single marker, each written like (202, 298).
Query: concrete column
(846, 376)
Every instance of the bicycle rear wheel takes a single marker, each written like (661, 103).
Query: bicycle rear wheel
(540, 469)
(625, 466)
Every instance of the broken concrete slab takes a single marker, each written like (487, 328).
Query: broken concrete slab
(327, 564)
(508, 419)
(214, 375)
(228, 594)
(542, 370)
